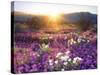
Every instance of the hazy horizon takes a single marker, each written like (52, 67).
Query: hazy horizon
(51, 8)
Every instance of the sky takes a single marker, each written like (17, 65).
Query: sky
(49, 8)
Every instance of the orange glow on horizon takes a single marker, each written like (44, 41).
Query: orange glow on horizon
(54, 19)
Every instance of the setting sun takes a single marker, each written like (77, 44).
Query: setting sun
(54, 19)
(54, 16)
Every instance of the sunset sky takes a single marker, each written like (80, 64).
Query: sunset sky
(49, 8)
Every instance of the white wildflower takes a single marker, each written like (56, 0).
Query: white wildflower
(74, 42)
(65, 63)
(77, 60)
(71, 41)
(58, 54)
(64, 58)
(50, 62)
(88, 40)
(62, 69)
(69, 60)
(46, 46)
(79, 40)
(67, 52)
(56, 62)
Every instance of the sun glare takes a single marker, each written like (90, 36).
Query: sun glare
(54, 21)
(54, 16)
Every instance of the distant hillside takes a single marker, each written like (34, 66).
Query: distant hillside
(75, 17)
(67, 18)
(20, 16)
(23, 17)
(23, 21)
